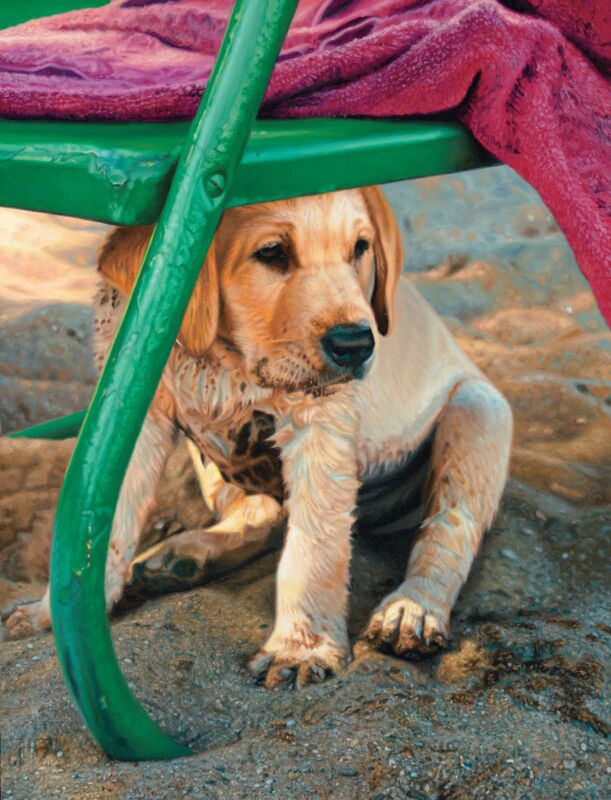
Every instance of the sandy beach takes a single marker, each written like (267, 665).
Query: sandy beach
(516, 707)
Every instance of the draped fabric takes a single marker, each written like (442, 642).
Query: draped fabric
(530, 78)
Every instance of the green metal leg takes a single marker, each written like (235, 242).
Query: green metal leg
(198, 194)
(60, 428)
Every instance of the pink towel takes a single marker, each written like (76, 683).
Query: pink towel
(528, 77)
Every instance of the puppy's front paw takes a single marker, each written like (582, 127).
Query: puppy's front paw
(27, 620)
(409, 624)
(285, 661)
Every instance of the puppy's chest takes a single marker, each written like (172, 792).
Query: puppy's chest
(226, 416)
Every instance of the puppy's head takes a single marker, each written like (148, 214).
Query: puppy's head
(301, 288)
(307, 285)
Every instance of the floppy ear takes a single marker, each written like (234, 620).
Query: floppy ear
(121, 256)
(201, 319)
(388, 255)
(119, 262)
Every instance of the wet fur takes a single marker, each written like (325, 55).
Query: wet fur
(276, 432)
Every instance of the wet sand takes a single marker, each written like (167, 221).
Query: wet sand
(516, 708)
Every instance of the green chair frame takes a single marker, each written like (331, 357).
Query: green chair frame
(181, 175)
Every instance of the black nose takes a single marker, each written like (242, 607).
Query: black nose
(348, 346)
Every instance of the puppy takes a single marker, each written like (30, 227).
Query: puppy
(311, 380)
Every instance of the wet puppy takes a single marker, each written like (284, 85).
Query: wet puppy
(306, 375)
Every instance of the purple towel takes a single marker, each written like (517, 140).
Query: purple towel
(528, 77)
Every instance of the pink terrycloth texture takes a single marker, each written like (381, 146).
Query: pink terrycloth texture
(530, 81)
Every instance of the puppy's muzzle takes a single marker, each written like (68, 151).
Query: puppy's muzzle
(348, 347)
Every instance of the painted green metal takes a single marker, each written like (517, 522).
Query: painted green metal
(60, 428)
(12, 12)
(149, 327)
(121, 172)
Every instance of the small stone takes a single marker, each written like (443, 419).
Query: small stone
(348, 772)
(569, 763)
(59, 754)
(509, 553)
(291, 723)
(583, 746)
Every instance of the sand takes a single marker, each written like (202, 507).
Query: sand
(516, 707)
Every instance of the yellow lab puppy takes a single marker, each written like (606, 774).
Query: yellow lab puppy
(311, 381)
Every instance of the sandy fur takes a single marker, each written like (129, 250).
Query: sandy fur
(250, 344)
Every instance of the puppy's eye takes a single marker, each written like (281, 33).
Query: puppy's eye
(273, 255)
(361, 247)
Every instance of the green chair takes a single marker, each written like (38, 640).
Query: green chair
(182, 176)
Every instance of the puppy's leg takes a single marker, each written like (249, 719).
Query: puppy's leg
(244, 531)
(309, 639)
(137, 495)
(469, 468)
